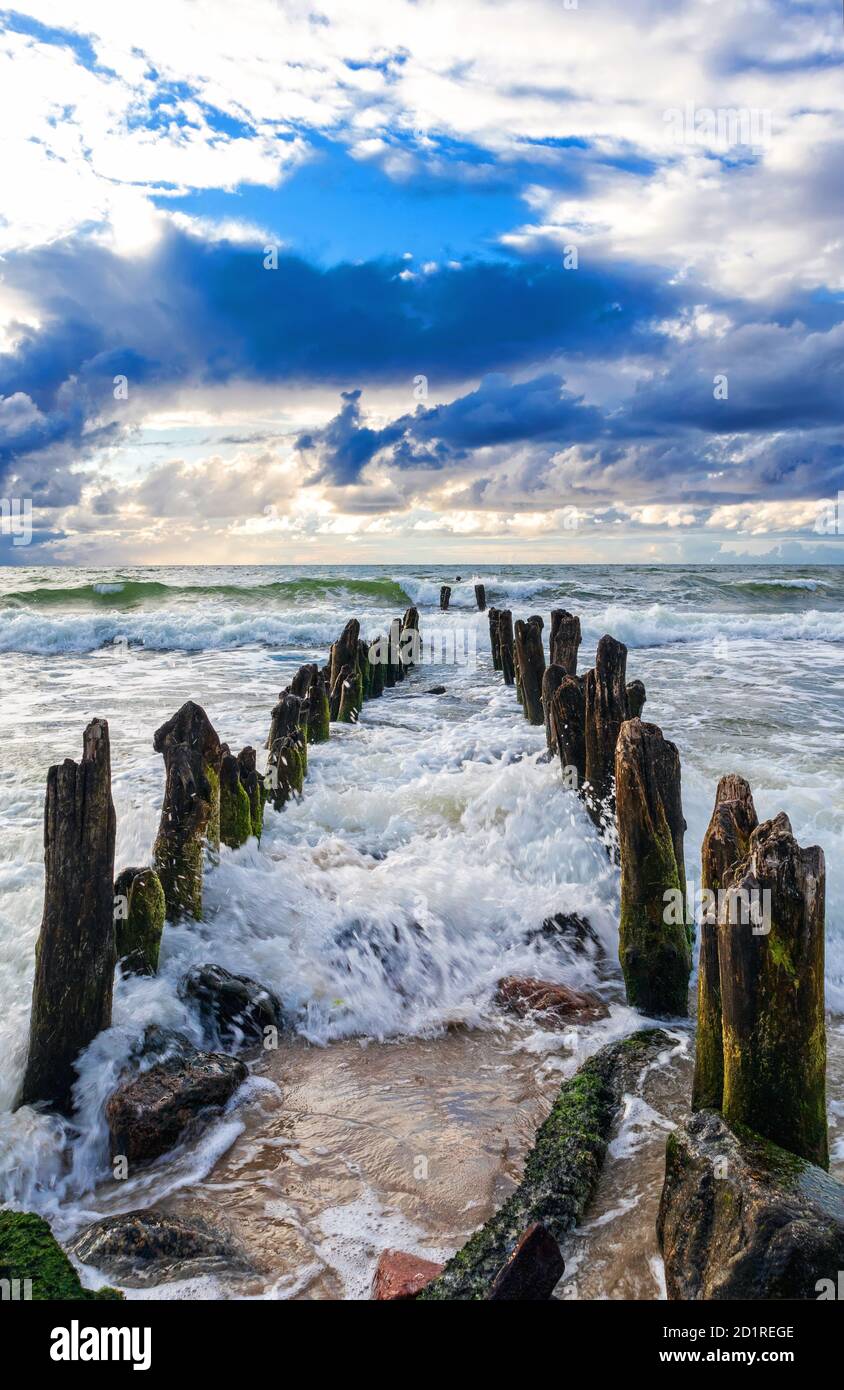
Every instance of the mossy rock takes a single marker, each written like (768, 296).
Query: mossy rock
(30, 1251)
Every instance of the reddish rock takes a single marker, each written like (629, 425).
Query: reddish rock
(533, 1270)
(402, 1276)
(526, 996)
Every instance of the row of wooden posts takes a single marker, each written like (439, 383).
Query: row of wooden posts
(90, 921)
(761, 1040)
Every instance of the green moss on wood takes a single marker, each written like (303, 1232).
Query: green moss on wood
(138, 934)
(655, 955)
(235, 815)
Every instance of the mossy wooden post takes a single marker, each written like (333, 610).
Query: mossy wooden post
(552, 679)
(139, 912)
(772, 992)
(365, 670)
(606, 710)
(506, 646)
(494, 639)
(396, 663)
(725, 845)
(530, 660)
(480, 597)
(445, 597)
(310, 687)
(654, 946)
(75, 953)
(568, 712)
(252, 784)
(564, 640)
(235, 811)
(285, 775)
(344, 653)
(635, 699)
(190, 814)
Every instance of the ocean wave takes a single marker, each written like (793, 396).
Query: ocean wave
(131, 592)
(659, 625)
(767, 585)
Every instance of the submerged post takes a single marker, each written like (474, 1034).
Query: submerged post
(568, 712)
(480, 597)
(494, 640)
(653, 941)
(287, 761)
(445, 596)
(309, 685)
(552, 679)
(75, 954)
(771, 955)
(725, 845)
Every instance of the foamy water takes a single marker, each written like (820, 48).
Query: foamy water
(432, 839)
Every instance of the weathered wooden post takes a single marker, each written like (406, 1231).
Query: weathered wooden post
(480, 597)
(395, 651)
(445, 597)
(653, 939)
(344, 659)
(771, 955)
(506, 646)
(606, 711)
(285, 775)
(530, 661)
(552, 679)
(635, 699)
(139, 912)
(494, 640)
(309, 685)
(190, 814)
(75, 954)
(725, 845)
(235, 811)
(253, 786)
(410, 647)
(376, 658)
(564, 640)
(568, 712)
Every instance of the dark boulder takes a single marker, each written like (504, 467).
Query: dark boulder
(559, 1003)
(140, 1247)
(533, 1270)
(152, 1112)
(742, 1219)
(235, 1008)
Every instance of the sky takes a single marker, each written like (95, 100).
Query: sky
(499, 281)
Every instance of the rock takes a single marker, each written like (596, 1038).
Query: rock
(654, 943)
(533, 1270)
(236, 1008)
(139, 912)
(141, 1247)
(75, 954)
(725, 844)
(190, 815)
(235, 810)
(742, 1219)
(564, 640)
(35, 1265)
(436, 690)
(528, 996)
(772, 993)
(402, 1276)
(561, 1171)
(573, 930)
(152, 1112)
